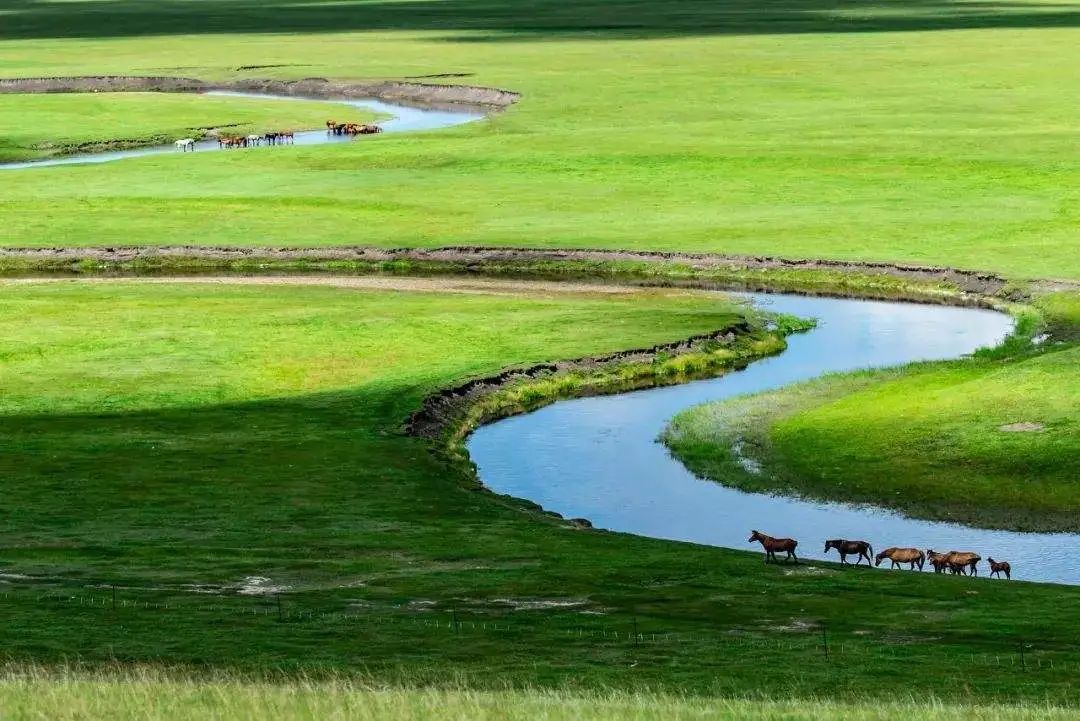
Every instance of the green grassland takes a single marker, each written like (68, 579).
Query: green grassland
(36, 126)
(173, 441)
(943, 133)
(937, 440)
(149, 695)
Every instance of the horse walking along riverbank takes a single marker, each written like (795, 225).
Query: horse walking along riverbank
(772, 545)
(859, 549)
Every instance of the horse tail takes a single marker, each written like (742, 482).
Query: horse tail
(869, 549)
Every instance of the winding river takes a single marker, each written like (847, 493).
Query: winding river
(404, 118)
(598, 458)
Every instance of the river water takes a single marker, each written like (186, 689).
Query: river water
(598, 458)
(404, 119)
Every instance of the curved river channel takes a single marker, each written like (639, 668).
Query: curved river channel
(598, 458)
(404, 119)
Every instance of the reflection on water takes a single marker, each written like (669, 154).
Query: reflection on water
(598, 458)
(405, 119)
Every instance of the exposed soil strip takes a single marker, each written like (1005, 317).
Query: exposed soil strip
(442, 413)
(426, 95)
(471, 286)
(966, 281)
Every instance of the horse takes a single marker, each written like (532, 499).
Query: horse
(330, 125)
(285, 136)
(965, 559)
(940, 561)
(772, 545)
(860, 549)
(999, 567)
(960, 559)
(369, 129)
(185, 144)
(901, 555)
(231, 141)
(254, 139)
(270, 138)
(339, 128)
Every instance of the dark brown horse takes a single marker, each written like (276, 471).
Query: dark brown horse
(369, 129)
(859, 549)
(998, 567)
(772, 545)
(285, 137)
(901, 555)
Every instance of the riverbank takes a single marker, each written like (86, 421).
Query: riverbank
(990, 441)
(884, 281)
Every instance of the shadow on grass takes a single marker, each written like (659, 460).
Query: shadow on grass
(520, 19)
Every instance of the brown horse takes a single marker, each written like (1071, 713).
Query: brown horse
(860, 549)
(286, 136)
(232, 141)
(901, 555)
(369, 129)
(940, 561)
(955, 561)
(965, 559)
(998, 567)
(772, 545)
(330, 125)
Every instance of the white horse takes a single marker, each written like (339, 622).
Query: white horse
(185, 144)
(254, 139)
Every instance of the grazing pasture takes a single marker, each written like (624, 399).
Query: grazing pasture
(938, 133)
(198, 446)
(214, 478)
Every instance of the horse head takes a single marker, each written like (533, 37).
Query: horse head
(879, 558)
(756, 536)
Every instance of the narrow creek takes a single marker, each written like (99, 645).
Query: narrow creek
(598, 458)
(404, 118)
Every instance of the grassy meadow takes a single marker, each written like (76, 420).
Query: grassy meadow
(63, 124)
(941, 132)
(149, 695)
(201, 450)
(212, 478)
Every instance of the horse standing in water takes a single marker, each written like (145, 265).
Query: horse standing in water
(772, 545)
(999, 567)
(859, 549)
(901, 555)
(185, 144)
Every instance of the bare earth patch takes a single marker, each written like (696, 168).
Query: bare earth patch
(1022, 427)
(474, 286)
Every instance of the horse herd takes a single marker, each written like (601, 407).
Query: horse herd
(335, 128)
(280, 137)
(955, 562)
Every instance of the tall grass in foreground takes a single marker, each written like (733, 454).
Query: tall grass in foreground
(148, 693)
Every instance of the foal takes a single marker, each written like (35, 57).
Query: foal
(998, 567)
(859, 549)
(772, 545)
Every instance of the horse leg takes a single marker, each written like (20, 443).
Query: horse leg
(791, 555)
